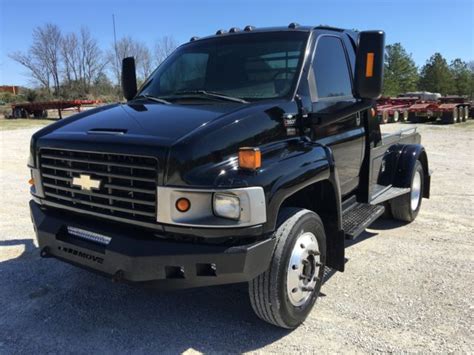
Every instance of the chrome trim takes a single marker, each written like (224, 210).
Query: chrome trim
(91, 236)
(201, 214)
(303, 269)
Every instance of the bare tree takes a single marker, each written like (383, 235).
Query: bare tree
(43, 56)
(128, 47)
(83, 59)
(71, 57)
(164, 46)
(92, 62)
(38, 70)
(145, 63)
(46, 48)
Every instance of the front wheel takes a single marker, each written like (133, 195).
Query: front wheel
(406, 207)
(285, 294)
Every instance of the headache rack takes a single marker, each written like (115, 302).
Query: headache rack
(127, 183)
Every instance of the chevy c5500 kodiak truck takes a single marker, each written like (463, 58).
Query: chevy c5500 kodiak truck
(247, 156)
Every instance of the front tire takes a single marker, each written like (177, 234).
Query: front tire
(406, 207)
(285, 294)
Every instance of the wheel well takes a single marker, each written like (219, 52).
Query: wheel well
(322, 199)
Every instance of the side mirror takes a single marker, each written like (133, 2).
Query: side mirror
(129, 78)
(369, 65)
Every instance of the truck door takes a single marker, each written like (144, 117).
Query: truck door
(336, 121)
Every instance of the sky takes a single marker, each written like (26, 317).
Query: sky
(422, 26)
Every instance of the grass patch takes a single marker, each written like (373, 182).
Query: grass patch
(22, 123)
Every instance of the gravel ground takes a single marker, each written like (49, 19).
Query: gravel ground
(407, 288)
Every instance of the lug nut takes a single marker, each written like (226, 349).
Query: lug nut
(302, 246)
(309, 289)
(295, 267)
(313, 252)
(294, 290)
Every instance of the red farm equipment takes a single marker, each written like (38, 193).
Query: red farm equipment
(394, 109)
(40, 109)
(418, 107)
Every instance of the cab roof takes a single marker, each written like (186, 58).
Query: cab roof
(292, 27)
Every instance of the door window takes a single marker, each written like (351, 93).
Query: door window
(330, 73)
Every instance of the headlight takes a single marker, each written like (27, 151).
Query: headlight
(226, 205)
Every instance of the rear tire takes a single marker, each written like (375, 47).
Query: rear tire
(396, 116)
(405, 116)
(464, 111)
(384, 117)
(406, 207)
(285, 294)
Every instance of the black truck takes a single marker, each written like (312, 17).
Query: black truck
(247, 156)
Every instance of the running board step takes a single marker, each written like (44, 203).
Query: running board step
(389, 193)
(358, 217)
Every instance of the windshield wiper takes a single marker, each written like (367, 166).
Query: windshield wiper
(152, 98)
(211, 94)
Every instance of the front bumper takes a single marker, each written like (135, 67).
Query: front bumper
(138, 255)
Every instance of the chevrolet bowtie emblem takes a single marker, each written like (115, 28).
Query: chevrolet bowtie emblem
(85, 182)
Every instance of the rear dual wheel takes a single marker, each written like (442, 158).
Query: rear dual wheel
(285, 294)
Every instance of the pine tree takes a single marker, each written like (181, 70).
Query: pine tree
(400, 71)
(462, 77)
(436, 76)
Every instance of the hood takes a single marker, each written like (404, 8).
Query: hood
(166, 123)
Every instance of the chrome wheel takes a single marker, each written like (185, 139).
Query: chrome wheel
(396, 116)
(405, 116)
(415, 191)
(455, 115)
(303, 269)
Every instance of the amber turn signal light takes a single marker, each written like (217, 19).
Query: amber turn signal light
(250, 158)
(31, 182)
(183, 204)
(369, 65)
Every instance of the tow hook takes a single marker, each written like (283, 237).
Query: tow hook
(44, 253)
(118, 276)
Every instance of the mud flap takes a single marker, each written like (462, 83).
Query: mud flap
(335, 250)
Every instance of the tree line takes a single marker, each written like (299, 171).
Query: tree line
(73, 66)
(402, 75)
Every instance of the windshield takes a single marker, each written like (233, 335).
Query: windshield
(250, 66)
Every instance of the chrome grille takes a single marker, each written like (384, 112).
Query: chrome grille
(128, 188)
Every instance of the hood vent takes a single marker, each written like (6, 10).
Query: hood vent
(107, 131)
